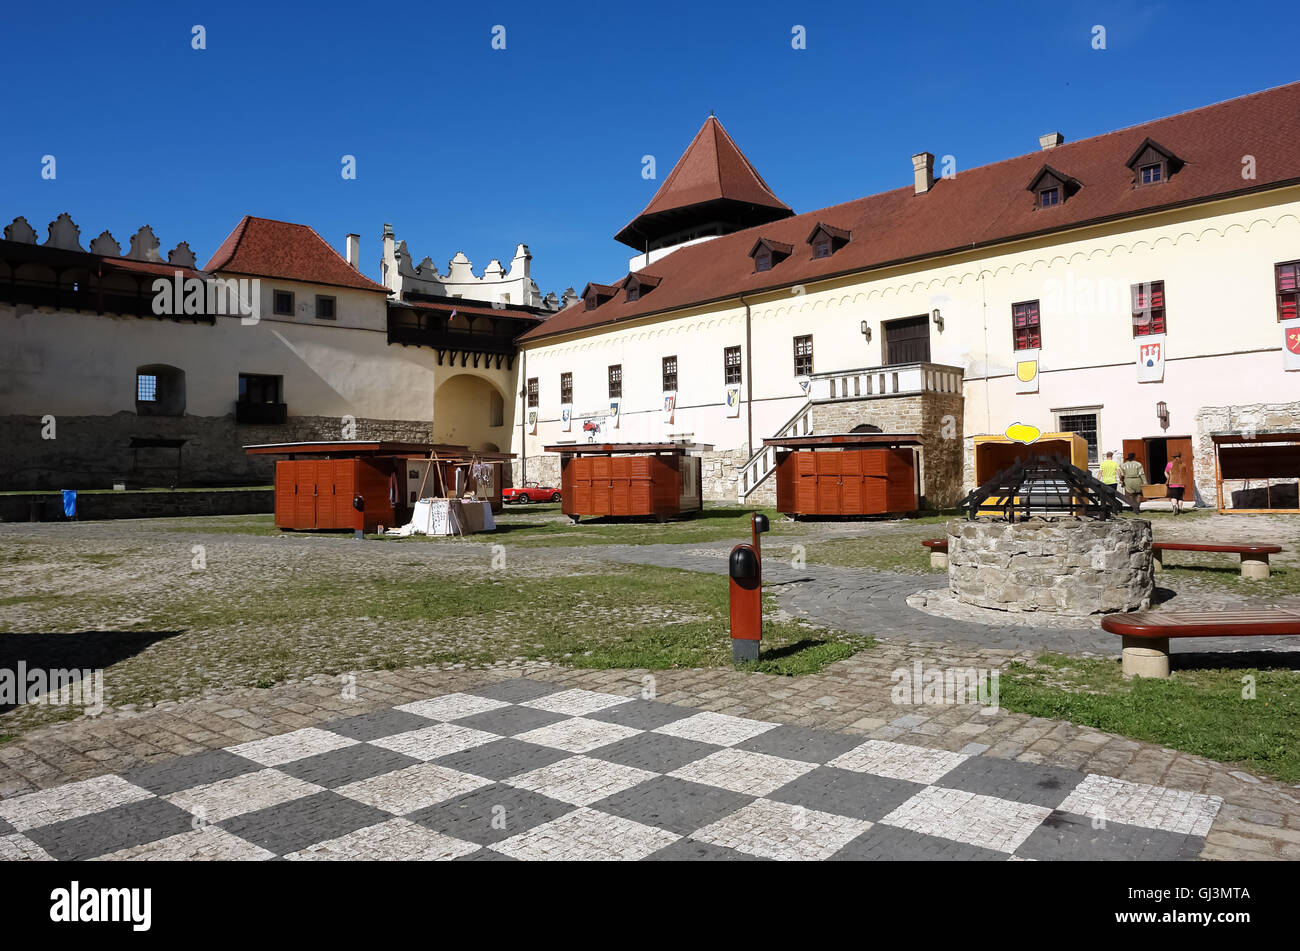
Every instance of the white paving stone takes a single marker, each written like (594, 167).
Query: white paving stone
(287, 747)
(412, 788)
(1154, 807)
(207, 843)
(755, 774)
(578, 734)
(580, 780)
(586, 835)
(452, 706)
(226, 798)
(16, 847)
(397, 840)
(440, 739)
(575, 702)
(719, 729)
(69, 802)
(776, 830)
(915, 764)
(986, 821)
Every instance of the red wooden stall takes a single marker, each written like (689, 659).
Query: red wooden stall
(316, 485)
(847, 474)
(624, 479)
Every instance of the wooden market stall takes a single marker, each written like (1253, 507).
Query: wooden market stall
(996, 454)
(318, 485)
(847, 474)
(1257, 461)
(624, 479)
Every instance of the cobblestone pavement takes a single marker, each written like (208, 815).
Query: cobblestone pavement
(524, 769)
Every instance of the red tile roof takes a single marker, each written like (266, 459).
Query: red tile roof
(711, 169)
(263, 247)
(984, 206)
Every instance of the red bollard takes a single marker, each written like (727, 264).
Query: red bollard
(746, 595)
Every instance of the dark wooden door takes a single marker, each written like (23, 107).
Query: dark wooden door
(907, 340)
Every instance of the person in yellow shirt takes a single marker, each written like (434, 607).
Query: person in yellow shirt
(1109, 471)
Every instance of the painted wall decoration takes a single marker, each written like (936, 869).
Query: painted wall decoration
(566, 418)
(670, 406)
(1151, 358)
(614, 408)
(591, 428)
(532, 421)
(805, 384)
(733, 399)
(1027, 371)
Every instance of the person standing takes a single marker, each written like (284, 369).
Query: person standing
(1108, 471)
(1176, 480)
(1134, 476)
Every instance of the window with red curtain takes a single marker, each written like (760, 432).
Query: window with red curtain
(1025, 325)
(1148, 308)
(1288, 290)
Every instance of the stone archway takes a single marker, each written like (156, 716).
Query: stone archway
(469, 410)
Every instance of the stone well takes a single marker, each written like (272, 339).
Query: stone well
(1070, 566)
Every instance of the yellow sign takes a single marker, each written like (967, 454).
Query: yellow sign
(1023, 432)
(1026, 370)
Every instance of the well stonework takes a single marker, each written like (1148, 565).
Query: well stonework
(1068, 566)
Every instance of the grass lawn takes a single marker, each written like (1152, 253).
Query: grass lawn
(1224, 572)
(1196, 711)
(898, 550)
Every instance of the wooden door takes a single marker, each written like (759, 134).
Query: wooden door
(306, 488)
(1182, 444)
(907, 340)
(285, 499)
(1139, 448)
(342, 488)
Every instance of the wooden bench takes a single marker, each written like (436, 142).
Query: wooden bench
(1254, 558)
(938, 552)
(1145, 634)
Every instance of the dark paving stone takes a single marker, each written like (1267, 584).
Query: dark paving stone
(186, 772)
(643, 714)
(471, 817)
(801, 743)
(6, 828)
(377, 725)
(1008, 779)
(295, 825)
(516, 691)
(847, 793)
(657, 752)
(692, 850)
(673, 804)
(507, 721)
(502, 759)
(882, 843)
(121, 827)
(348, 765)
(1064, 835)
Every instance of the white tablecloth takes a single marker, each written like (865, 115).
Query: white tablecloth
(449, 517)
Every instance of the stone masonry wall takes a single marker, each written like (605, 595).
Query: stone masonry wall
(1244, 419)
(154, 504)
(936, 417)
(1068, 566)
(91, 452)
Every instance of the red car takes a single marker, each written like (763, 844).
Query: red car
(530, 492)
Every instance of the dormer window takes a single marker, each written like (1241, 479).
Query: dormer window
(768, 253)
(1052, 187)
(1049, 197)
(593, 295)
(1152, 164)
(826, 240)
(636, 286)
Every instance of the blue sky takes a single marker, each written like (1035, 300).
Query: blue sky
(467, 148)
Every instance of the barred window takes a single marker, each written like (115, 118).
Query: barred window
(803, 356)
(566, 387)
(615, 381)
(670, 374)
(146, 387)
(1288, 290)
(532, 391)
(1025, 326)
(731, 365)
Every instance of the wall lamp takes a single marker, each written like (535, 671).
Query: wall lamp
(1162, 414)
(865, 327)
(938, 319)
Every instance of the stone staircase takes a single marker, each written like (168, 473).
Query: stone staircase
(763, 463)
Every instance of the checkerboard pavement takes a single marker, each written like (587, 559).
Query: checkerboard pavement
(523, 769)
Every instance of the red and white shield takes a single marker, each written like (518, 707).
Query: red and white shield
(1292, 337)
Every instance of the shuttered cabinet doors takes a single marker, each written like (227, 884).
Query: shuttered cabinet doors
(853, 482)
(305, 498)
(341, 488)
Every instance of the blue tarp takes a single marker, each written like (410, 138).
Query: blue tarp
(70, 503)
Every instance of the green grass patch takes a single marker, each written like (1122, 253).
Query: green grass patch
(1224, 571)
(1196, 711)
(7, 737)
(895, 550)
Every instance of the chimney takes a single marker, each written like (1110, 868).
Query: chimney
(1050, 141)
(923, 166)
(354, 251)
